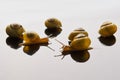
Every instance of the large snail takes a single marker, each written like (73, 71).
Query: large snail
(107, 29)
(79, 43)
(15, 30)
(53, 23)
(32, 38)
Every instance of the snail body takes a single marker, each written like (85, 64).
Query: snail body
(53, 23)
(15, 30)
(107, 29)
(31, 38)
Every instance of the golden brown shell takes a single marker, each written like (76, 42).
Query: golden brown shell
(53, 23)
(107, 29)
(15, 30)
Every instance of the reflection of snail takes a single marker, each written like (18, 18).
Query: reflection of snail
(80, 56)
(53, 32)
(109, 41)
(53, 23)
(107, 29)
(30, 50)
(15, 30)
(13, 42)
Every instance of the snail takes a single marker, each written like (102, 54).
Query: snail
(32, 38)
(80, 43)
(107, 29)
(76, 32)
(15, 30)
(53, 23)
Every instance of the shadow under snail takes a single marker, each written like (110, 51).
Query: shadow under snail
(107, 29)
(30, 50)
(53, 23)
(15, 30)
(13, 42)
(53, 32)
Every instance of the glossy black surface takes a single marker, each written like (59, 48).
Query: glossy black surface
(40, 63)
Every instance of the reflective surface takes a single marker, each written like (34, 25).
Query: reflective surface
(40, 63)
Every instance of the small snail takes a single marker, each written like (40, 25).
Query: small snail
(31, 38)
(76, 32)
(107, 29)
(15, 30)
(53, 23)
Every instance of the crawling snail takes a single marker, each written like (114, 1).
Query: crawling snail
(53, 23)
(15, 30)
(76, 32)
(32, 38)
(107, 29)
(80, 42)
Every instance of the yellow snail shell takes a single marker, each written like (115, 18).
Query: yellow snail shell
(107, 29)
(53, 23)
(15, 30)
(80, 42)
(31, 37)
